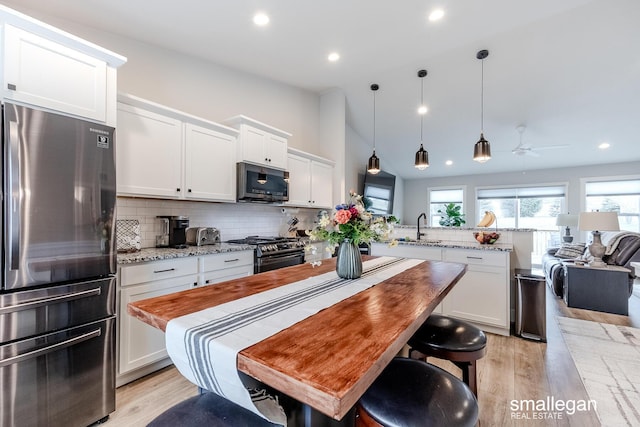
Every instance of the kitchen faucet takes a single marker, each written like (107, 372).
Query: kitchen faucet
(425, 218)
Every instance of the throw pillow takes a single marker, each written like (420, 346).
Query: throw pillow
(570, 250)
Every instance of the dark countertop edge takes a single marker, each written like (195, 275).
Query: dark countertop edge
(158, 254)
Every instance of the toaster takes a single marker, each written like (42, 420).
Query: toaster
(199, 236)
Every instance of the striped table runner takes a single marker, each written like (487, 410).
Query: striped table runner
(204, 345)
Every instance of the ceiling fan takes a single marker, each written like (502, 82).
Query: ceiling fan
(526, 150)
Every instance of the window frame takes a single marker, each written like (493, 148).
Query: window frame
(601, 179)
(462, 188)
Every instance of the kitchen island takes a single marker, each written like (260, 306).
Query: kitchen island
(329, 359)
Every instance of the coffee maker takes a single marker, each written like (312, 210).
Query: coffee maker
(174, 232)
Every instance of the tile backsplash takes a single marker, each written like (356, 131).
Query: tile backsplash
(234, 220)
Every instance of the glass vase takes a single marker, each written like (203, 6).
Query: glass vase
(349, 262)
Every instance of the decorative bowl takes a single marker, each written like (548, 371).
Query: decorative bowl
(486, 237)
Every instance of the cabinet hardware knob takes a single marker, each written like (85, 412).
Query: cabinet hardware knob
(189, 190)
(11, 86)
(178, 190)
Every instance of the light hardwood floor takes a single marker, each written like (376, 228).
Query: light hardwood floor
(513, 369)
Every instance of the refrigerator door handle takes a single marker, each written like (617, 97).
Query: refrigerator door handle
(13, 211)
(50, 349)
(39, 302)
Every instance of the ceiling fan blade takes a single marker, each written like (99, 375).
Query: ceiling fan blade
(552, 147)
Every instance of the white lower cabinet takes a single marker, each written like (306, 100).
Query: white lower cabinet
(226, 266)
(142, 347)
(482, 296)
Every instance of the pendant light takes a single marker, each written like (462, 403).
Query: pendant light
(482, 149)
(373, 166)
(422, 156)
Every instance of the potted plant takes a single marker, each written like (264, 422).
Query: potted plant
(451, 217)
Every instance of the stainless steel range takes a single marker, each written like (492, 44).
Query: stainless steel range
(272, 253)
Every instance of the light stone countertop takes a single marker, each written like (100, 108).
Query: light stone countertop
(156, 254)
(504, 247)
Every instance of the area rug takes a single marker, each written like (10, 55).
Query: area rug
(608, 360)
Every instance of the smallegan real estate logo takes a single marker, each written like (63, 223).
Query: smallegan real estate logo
(549, 408)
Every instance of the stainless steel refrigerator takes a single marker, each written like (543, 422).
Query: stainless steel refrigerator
(57, 298)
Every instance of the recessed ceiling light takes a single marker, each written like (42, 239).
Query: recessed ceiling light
(448, 162)
(260, 19)
(436, 15)
(604, 146)
(422, 109)
(333, 56)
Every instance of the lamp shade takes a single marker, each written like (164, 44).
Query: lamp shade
(598, 221)
(567, 220)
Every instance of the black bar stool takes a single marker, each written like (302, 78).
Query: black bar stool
(451, 339)
(211, 410)
(410, 393)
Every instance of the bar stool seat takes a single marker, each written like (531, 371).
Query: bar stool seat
(451, 339)
(211, 410)
(410, 393)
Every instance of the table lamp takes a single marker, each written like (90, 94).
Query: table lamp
(567, 220)
(596, 222)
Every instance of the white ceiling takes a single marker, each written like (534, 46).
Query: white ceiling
(569, 70)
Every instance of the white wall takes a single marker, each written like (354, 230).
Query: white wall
(333, 137)
(358, 152)
(205, 89)
(415, 200)
(234, 221)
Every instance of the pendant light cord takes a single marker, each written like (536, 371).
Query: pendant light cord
(421, 106)
(374, 121)
(482, 96)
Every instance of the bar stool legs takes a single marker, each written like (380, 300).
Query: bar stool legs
(451, 339)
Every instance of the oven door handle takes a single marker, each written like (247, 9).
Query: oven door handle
(276, 258)
(50, 349)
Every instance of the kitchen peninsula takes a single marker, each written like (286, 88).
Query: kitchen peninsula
(485, 296)
(320, 361)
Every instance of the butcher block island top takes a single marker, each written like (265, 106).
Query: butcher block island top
(329, 359)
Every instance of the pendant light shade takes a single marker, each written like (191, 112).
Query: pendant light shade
(482, 149)
(373, 165)
(422, 156)
(422, 159)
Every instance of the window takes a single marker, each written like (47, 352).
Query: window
(620, 195)
(438, 197)
(526, 207)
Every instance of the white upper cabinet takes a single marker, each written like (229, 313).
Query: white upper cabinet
(46, 67)
(210, 169)
(168, 154)
(260, 143)
(310, 180)
(149, 153)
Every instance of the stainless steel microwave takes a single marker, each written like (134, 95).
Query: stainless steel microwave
(261, 184)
